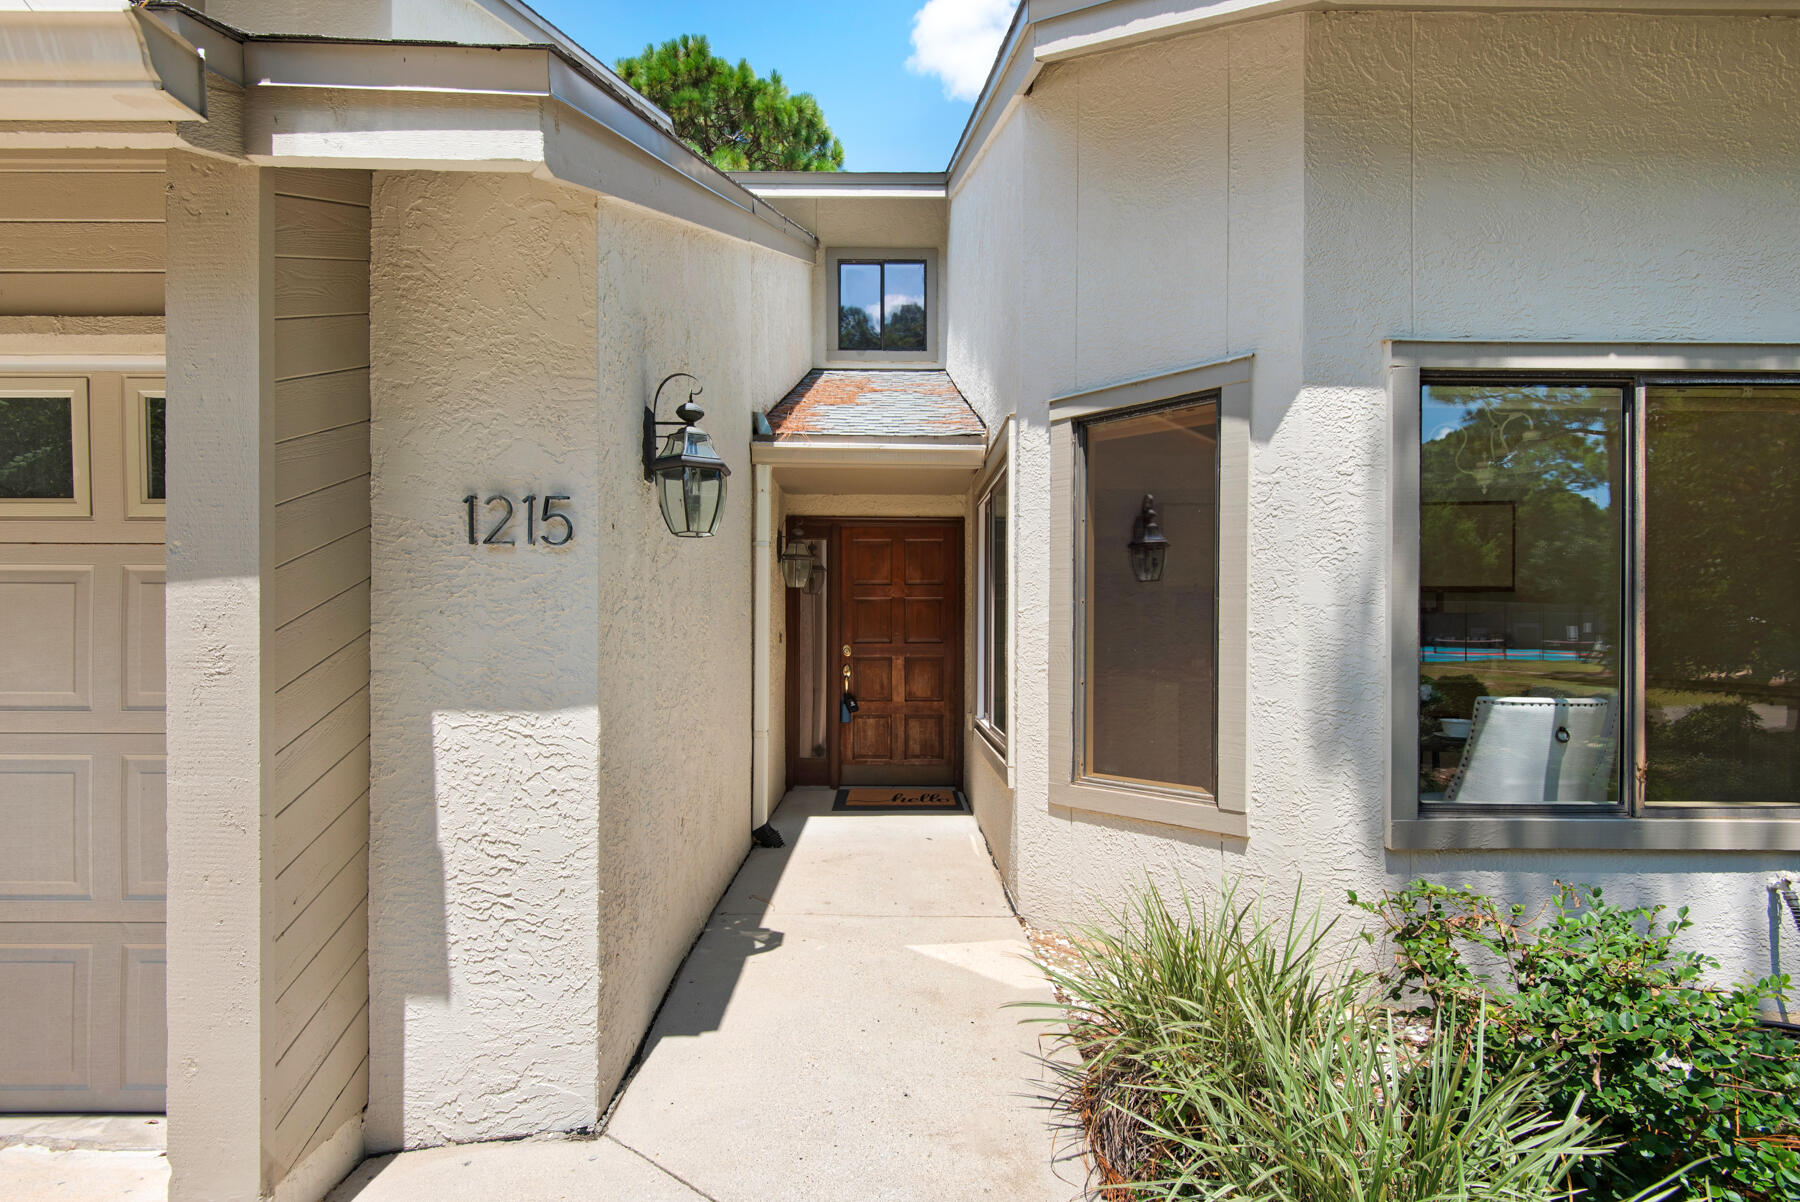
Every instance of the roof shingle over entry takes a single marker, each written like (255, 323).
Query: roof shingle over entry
(875, 403)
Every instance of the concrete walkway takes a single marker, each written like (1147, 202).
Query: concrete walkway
(838, 1033)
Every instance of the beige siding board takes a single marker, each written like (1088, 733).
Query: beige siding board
(349, 943)
(320, 287)
(301, 1059)
(301, 705)
(295, 947)
(299, 883)
(319, 803)
(321, 574)
(309, 1115)
(349, 1101)
(109, 246)
(307, 523)
(320, 229)
(311, 346)
(81, 293)
(312, 403)
(83, 196)
(310, 756)
(314, 461)
(345, 187)
(316, 633)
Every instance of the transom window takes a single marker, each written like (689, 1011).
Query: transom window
(1607, 595)
(881, 305)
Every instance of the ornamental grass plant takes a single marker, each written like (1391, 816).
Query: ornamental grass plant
(1211, 1052)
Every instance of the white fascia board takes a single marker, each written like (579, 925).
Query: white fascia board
(96, 65)
(885, 185)
(1068, 28)
(828, 451)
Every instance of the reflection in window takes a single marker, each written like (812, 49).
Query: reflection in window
(37, 448)
(1722, 594)
(1150, 647)
(993, 623)
(1521, 555)
(154, 449)
(881, 305)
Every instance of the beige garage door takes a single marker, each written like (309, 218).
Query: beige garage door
(81, 742)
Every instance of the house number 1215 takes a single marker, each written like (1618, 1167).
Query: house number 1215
(538, 526)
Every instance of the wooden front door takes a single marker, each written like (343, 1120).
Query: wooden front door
(899, 592)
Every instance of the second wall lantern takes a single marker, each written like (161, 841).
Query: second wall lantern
(1148, 546)
(688, 473)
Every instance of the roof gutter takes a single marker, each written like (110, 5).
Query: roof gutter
(97, 65)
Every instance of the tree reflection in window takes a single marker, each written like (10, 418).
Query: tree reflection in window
(1520, 568)
(881, 305)
(1722, 594)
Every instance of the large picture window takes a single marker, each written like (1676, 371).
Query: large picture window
(992, 707)
(1607, 578)
(1149, 645)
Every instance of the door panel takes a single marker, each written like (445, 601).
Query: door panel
(900, 601)
(82, 797)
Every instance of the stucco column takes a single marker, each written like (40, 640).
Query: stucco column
(219, 336)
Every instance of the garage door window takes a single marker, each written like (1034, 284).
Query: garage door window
(43, 449)
(145, 437)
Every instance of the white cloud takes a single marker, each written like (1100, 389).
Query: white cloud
(896, 299)
(956, 40)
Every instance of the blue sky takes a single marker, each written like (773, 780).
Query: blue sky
(851, 55)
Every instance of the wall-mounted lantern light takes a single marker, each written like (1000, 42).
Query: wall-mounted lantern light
(689, 475)
(1148, 546)
(797, 565)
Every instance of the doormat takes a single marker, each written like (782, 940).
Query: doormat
(900, 801)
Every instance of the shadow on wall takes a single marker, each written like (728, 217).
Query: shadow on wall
(703, 986)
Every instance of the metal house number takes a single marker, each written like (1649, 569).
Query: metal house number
(538, 525)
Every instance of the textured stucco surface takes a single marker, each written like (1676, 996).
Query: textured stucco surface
(1302, 188)
(561, 756)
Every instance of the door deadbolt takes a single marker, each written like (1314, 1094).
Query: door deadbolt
(846, 648)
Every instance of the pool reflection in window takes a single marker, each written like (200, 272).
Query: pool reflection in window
(1520, 598)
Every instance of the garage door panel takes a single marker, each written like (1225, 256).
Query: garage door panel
(47, 628)
(143, 1025)
(144, 839)
(46, 989)
(142, 655)
(47, 812)
(85, 1018)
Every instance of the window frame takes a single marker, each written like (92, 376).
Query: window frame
(139, 504)
(1227, 384)
(75, 388)
(998, 479)
(836, 257)
(1635, 824)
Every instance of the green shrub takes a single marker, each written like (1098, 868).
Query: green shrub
(1597, 1001)
(1213, 1054)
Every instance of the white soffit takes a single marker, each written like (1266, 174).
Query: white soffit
(95, 63)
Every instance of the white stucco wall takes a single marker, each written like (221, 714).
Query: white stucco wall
(864, 223)
(1303, 188)
(561, 737)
